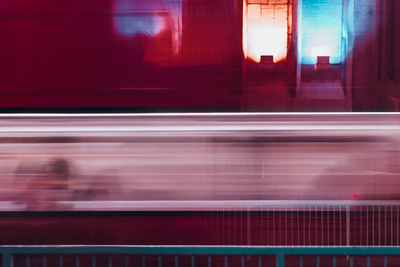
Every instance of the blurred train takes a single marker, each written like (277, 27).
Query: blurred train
(113, 162)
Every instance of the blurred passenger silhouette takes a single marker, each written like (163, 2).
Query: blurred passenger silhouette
(44, 185)
(102, 186)
(58, 174)
(25, 173)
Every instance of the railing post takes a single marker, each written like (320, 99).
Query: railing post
(248, 227)
(8, 260)
(347, 225)
(280, 260)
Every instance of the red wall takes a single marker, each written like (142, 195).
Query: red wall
(67, 53)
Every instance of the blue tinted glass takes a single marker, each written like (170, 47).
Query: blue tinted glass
(321, 30)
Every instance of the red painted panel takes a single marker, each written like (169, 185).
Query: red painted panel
(70, 54)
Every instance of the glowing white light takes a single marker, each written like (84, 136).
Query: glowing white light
(265, 31)
(267, 39)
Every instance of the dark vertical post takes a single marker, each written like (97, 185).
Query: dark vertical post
(347, 225)
(8, 260)
(280, 260)
(159, 261)
(143, 261)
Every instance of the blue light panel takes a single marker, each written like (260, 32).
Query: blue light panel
(321, 30)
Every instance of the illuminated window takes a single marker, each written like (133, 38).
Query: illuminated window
(321, 28)
(265, 29)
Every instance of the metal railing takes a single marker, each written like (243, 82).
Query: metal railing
(269, 223)
(9, 252)
(304, 223)
(294, 223)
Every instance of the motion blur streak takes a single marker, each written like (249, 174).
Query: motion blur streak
(188, 114)
(201, 128)
(61, 162)
(83, 155)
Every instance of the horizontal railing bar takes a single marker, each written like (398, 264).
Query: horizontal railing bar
(193, 205)
(198, 250)
(211, 205)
